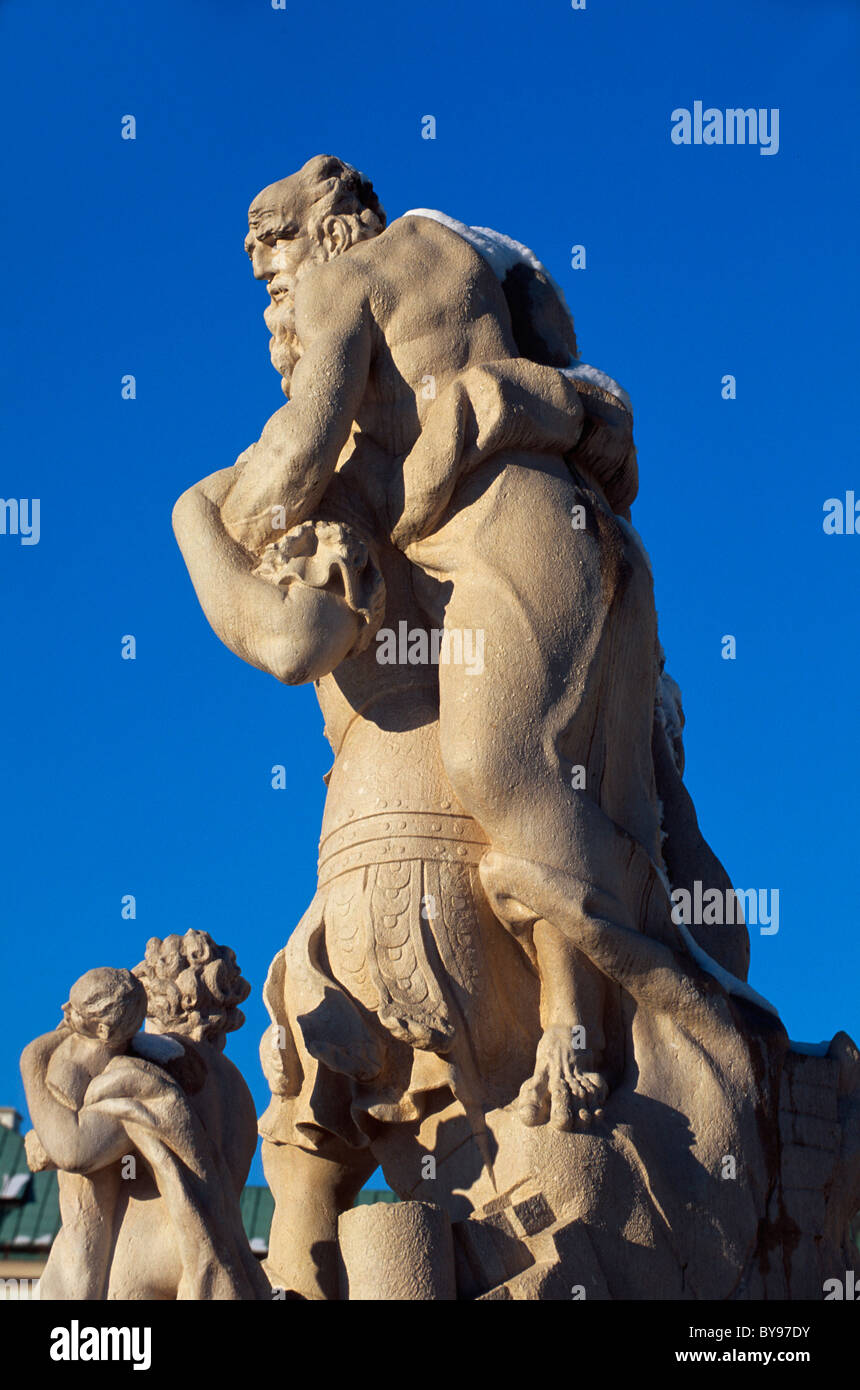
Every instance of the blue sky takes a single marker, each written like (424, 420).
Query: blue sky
(152, 777)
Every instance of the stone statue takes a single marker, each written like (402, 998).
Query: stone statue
(152, 1133)
(489, 994)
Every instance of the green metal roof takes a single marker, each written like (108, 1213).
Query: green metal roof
(30, 1208)
(257, 1206)
(29, 1202)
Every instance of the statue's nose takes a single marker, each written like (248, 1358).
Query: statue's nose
(261, 261)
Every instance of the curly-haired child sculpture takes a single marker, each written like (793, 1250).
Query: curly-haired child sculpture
(152, 1133)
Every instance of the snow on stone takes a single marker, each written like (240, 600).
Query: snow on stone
(152, 1047)
(503, 253)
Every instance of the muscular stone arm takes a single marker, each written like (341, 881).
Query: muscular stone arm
(293, 461)
(75, 1141)
(296, 634)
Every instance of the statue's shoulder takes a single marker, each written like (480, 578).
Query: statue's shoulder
(333, 289)
(430, 235)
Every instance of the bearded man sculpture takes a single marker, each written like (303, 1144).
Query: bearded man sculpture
(489, 975)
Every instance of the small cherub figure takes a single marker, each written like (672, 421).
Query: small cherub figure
(105, 1009)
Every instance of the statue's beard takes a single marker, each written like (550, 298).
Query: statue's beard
(284, 347)
(280, 318)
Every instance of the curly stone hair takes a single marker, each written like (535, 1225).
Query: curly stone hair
(337, 187)
(193, 987)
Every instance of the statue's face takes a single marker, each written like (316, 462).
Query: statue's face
(277, 241)
(279, 245)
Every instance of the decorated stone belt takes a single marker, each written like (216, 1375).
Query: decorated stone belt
(390, 837)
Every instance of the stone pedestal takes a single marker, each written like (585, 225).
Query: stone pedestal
(401, 1250)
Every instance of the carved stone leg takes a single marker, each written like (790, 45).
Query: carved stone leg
(313, 1189)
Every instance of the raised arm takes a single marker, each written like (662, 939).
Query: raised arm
(293, 461)
(297, 633)
(75, 1141)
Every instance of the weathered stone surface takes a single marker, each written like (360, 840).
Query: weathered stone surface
(817, 1101)
(805, 1167)
(534, 1214)
(489, 994)
(805, 1207)
(820, 1072)
(489, 1251)
(543, 1281)
(807, 1129)
(397, 1251)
